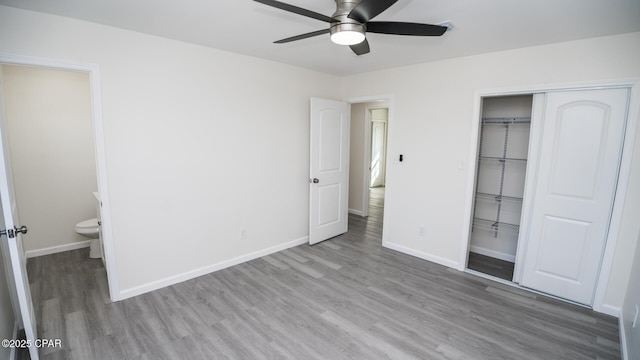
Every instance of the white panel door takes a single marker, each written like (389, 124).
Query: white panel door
(580, 151)
(329, 170)
(11, 246)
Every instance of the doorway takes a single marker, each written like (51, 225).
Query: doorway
(370, 120)
(366, 124)
(97, 152)
(48, 118)
(503, 148)
(378, 153)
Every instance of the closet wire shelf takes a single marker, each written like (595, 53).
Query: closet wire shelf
(506, 121)
(501, 160)
(496, 226)
(493, 198)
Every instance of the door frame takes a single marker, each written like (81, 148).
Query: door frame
(633, 113)
(389, 98)
(93, 70)
(367, 153)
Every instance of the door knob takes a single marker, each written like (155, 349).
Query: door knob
(11, 233)
(314, 180)
(22, 229)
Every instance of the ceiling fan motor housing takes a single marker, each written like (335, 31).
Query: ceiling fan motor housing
(342, 20)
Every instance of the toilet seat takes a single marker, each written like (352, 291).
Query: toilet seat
(88, 226)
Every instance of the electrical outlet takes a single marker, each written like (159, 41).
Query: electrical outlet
(635, 318)
(243, 233)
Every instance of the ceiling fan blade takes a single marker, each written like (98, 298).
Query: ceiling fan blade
(302, 36)
(296, 10)
(404, 28)
(368, 9)
(361, 49)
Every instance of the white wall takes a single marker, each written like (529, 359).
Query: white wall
(48, 114)
(189, 162)
(433, 113)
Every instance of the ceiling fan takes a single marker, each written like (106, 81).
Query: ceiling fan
(350, 22)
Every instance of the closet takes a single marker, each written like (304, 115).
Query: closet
(545, 185)
(500, 178)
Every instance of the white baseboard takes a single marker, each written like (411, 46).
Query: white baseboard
(155, 285)
(356, 212)
(57, 249)
(421, 255)
(493, 253)
(608, 309)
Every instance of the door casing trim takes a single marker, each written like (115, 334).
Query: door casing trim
(389, 98)
(93, 70)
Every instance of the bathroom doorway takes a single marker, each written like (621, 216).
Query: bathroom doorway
(54, 120)
(49, 127)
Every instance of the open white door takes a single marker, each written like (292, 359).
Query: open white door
(578, 165)
(329, 170)
(11, 246)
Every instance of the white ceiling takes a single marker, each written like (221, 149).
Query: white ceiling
(248, 27)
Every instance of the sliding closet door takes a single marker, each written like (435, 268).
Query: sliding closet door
(577, 172)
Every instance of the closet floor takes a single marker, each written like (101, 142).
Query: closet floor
(491, 266)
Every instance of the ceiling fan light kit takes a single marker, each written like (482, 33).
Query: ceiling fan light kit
(347, 34)
(350, 23)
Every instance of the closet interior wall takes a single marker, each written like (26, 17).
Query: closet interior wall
(500, 175)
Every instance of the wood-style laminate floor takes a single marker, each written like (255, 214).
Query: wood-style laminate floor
(491, 266)
(345, 298)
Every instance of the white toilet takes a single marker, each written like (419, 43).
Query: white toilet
(91, 229)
